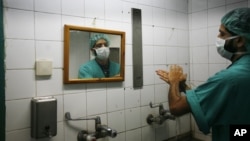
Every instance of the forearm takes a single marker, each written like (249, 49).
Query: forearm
(177, 103)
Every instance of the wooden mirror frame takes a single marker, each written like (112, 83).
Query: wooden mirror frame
(66, 72)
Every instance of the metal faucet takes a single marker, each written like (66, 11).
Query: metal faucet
(101, 130)
(163, 115)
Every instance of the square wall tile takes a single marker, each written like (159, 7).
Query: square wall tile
(132, 118)
(200, 72)
(196, 39)
(182, 5)
(183, 55)
(134, 135)
(147, 14)
(115, 99)
(60, 114)
(119, 137)
(52, 85)
(159, 17)
(70, 20)
(145, 112)
(116, 121)
(73, 7)
(96, 87)
(23, 114)
(198, 5)
(96, 102)
(159, 36)
(185, 124)
(157, 78)
(52, 50)
(216, 3)
(132, 97)
(72, 128)
(215, 15)
(171, 18)
(159, 55)
(128, 76)
(199, 20)
(161, 92)
(200, 55)
(212, 34)
(114, 25)
(236, 5)
(147, 95)
(48, 26)
(25, 19)
(75, 104)
(183, 38)
(91, 123)
(145, 57)
(148, 77)
(172, 55)
(113, 10)
(20, 84)
(147, 35)
(182, 20)
(148, 133)
(24, 4)
(74, 88)
(159, 3)
(94, 10)
(127, 12)
(23, 135)
(48, 6)
(128, 55)
(162, 132)
(24, 50)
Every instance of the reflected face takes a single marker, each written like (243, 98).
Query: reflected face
(100, 43)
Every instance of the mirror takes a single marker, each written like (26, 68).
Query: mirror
(93, 55)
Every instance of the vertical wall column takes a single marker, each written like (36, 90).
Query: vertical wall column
(137, 48)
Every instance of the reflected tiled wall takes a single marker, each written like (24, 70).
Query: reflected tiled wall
(34, 29)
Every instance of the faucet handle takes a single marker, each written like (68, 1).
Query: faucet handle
(154, 105)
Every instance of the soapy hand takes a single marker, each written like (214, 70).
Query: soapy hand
(175, 74)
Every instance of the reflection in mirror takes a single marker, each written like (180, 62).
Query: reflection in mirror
(93, 55)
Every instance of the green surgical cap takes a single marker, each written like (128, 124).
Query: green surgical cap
(238, 21)
(97, 37)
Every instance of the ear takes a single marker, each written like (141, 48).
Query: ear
(240, 42)
(93, 51)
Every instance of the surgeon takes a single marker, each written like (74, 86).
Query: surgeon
(224, 99)
(101, 66)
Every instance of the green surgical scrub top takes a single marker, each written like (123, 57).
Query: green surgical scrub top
(223, 100)
(92, 69)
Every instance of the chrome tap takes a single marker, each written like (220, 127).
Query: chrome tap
(101, 130)
(163, 115)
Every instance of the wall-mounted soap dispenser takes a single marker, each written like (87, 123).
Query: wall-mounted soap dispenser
(43, 117)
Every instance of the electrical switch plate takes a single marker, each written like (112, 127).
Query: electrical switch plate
(43, 67)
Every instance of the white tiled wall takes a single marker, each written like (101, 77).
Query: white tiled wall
(34, 30)
(174, 32)
(204, 20)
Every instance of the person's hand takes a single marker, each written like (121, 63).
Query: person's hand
(176, 75)
(163, 75)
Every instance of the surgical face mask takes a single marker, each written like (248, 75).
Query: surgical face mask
(102, 53)
(220, 43)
